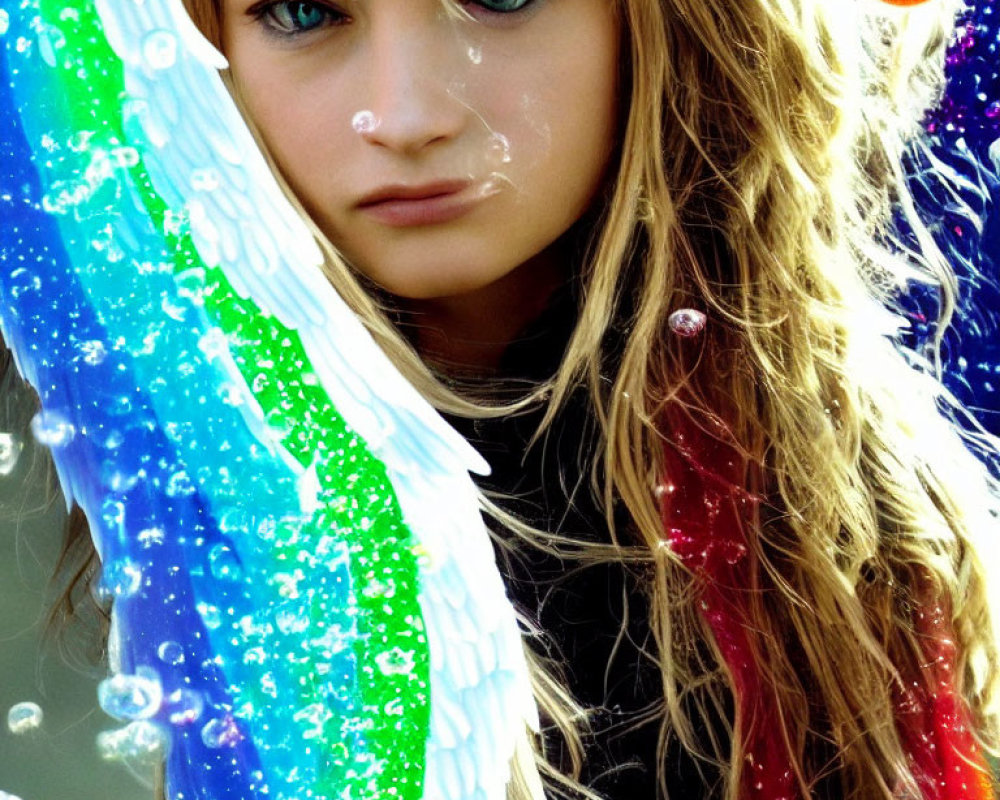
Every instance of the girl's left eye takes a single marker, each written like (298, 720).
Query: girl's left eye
(290, 18)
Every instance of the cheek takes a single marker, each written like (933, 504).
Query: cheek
(305, 127)
(563, 124)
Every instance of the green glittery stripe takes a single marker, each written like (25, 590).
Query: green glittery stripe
(357, 500)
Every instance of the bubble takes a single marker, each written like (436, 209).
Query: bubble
(149, 537)
(365, 122)
(210, 615)
(115, 479)
(498, 147)
(687, 322)
(279, 423)
(231, 394)
(184, 706)
(221, 732)
(24, 717)
(4, 22)
(394, 708)
(121, 578)
(126, 157)
(171, 652)
(139, 742)
(492, 185)
(131, 697)
(290, 623)
(25, 281)
(267, 529)
(52, 429)
(180, 485)
(234, 519)
(214, 344)
(94, 352)
(734, 552)
(395, 661)
(223, 563)
(10, 451)
(159, 49)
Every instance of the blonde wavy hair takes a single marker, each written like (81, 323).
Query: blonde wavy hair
(760, 166)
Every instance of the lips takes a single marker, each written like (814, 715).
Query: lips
(426, 204)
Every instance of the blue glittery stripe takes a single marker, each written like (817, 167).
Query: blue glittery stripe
(163, 483)
(34, 270)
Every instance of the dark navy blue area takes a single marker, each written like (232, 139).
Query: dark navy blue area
(960, 133)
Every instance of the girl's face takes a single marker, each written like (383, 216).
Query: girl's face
(438, 148)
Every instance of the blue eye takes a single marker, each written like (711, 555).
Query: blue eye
(290, 18)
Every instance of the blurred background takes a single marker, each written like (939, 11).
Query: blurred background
(58, 759)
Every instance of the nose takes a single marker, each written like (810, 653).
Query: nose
(412, 94)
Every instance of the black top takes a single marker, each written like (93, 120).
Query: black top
(580, 609)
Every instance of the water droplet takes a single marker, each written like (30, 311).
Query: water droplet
(290, 623)
(475, 54)
(139, 742)
(150, 537)
(63, 195)
(267, 529)
(52, 429)
(223, 563)
(159, 49)
(222, 732)
(94, 352)
(687, 322)
(498, 148)
(10, 450)
(230, 394)
(395, 661)
(210, 615)
(734, 553)
(24, 281)
(184, 706)
(394, 708)
(129, 697)
(121, 578)
(234, 519)
(180, 485)
(171, 652)
(24, 717)
(365, 122)
(126, 157)
(279, 423)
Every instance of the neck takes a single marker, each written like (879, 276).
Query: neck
(470, 332)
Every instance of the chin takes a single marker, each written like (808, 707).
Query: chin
(431, 281)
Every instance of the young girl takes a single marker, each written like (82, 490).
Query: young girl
(638, 252)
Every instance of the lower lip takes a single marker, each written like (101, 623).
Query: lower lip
(421, 211)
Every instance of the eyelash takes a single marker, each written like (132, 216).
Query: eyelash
(266, 14)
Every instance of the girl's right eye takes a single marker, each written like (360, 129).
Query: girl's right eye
(297, 17)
